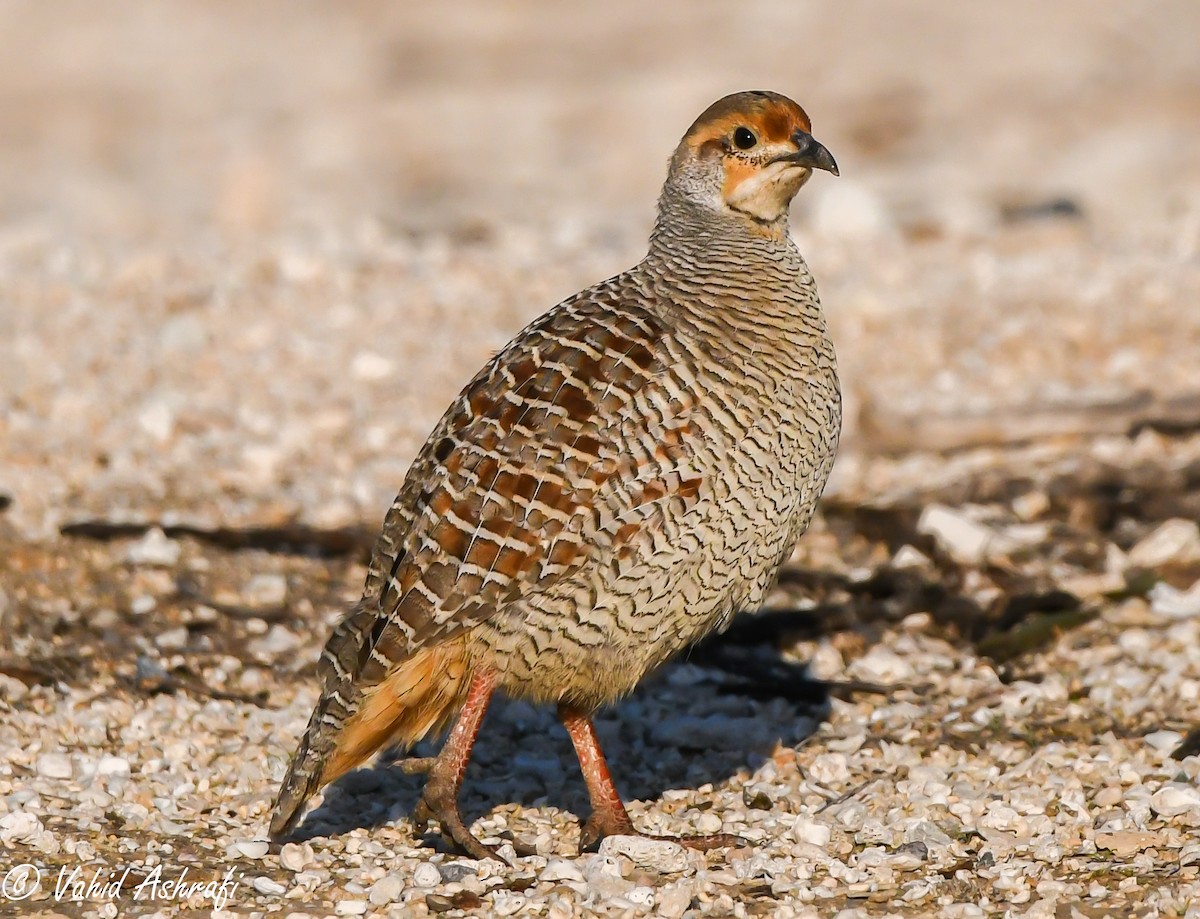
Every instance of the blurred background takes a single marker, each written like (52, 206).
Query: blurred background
(249, 251)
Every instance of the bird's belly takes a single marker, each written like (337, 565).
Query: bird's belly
(590, 639)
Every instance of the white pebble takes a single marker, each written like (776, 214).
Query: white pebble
(1174, 603)
(426, 875)
(559, 869)
(54, 766)
(674, 900)
(278, 640)
(18, 827)
(641, 896)
(269, 886)
(296, 856)
(112, 765)
(1164, 741)
(879, 665)
(507, 903)
(708, 824)
(369, 366)
(967, 540)
(829, 769)
(265, 590)
(910, 557)
(351, 907)
(815, 834)
(1175, 540)
(386, 890)
(661, 855)
(172, 639)
(1175, 799)
(249, 848)
(154, 548)
(139, 606)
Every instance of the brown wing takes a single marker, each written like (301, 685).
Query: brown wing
(504, 489)
(497, 504)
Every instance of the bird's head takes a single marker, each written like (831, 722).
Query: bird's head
(748, 154)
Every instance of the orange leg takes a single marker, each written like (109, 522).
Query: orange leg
(608, 816)
(439, 800)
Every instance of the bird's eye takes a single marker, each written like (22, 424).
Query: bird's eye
(744, 138)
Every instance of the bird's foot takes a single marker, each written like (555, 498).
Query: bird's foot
(617, 823)
(439, 802)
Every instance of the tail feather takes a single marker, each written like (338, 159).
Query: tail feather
(418, 696)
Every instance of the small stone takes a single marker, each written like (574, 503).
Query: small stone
(154, 548)
(708, 824)
(507, 903)
(249, 848)
(1174, 603)
(369, 366)
(296, 856)
(603, 873)
(1164, 741)
(879, 665)
(758, 797)
(674, 900)
(457, 872)
(19, 827)
(139, 606)
(157, 419)
(351, 907)
(268, 886)
(560, 869)
(278, 640)
(928, 832)
(172, 639)
(1126, 843)
(265, 591)
(807, 831)
(426, 875)
(54, 766)
(910, 557)
(386, 890)
(112, 765)
(966, 540)
(1175, 540)
(829, 769)
(1025, 535)
(911, 854)
(641, 897)
(661, 855)
(1109, 796)
(1031, 505)
(1175, 800)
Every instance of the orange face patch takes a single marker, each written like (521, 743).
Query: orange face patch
(736, 172)
(774, 118)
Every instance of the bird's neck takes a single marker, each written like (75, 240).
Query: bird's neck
(726, 276)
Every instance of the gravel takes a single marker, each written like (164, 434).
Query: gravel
(226, 328)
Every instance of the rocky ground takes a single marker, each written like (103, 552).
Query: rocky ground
(246, 257)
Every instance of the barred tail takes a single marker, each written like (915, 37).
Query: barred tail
(350, 723)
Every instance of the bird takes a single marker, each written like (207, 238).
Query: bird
(617, 482)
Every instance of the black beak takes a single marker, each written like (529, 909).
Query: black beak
(810, 152)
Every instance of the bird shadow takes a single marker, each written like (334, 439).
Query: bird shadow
(719, 710)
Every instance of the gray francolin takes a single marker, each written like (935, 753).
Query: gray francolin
(628, 473)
